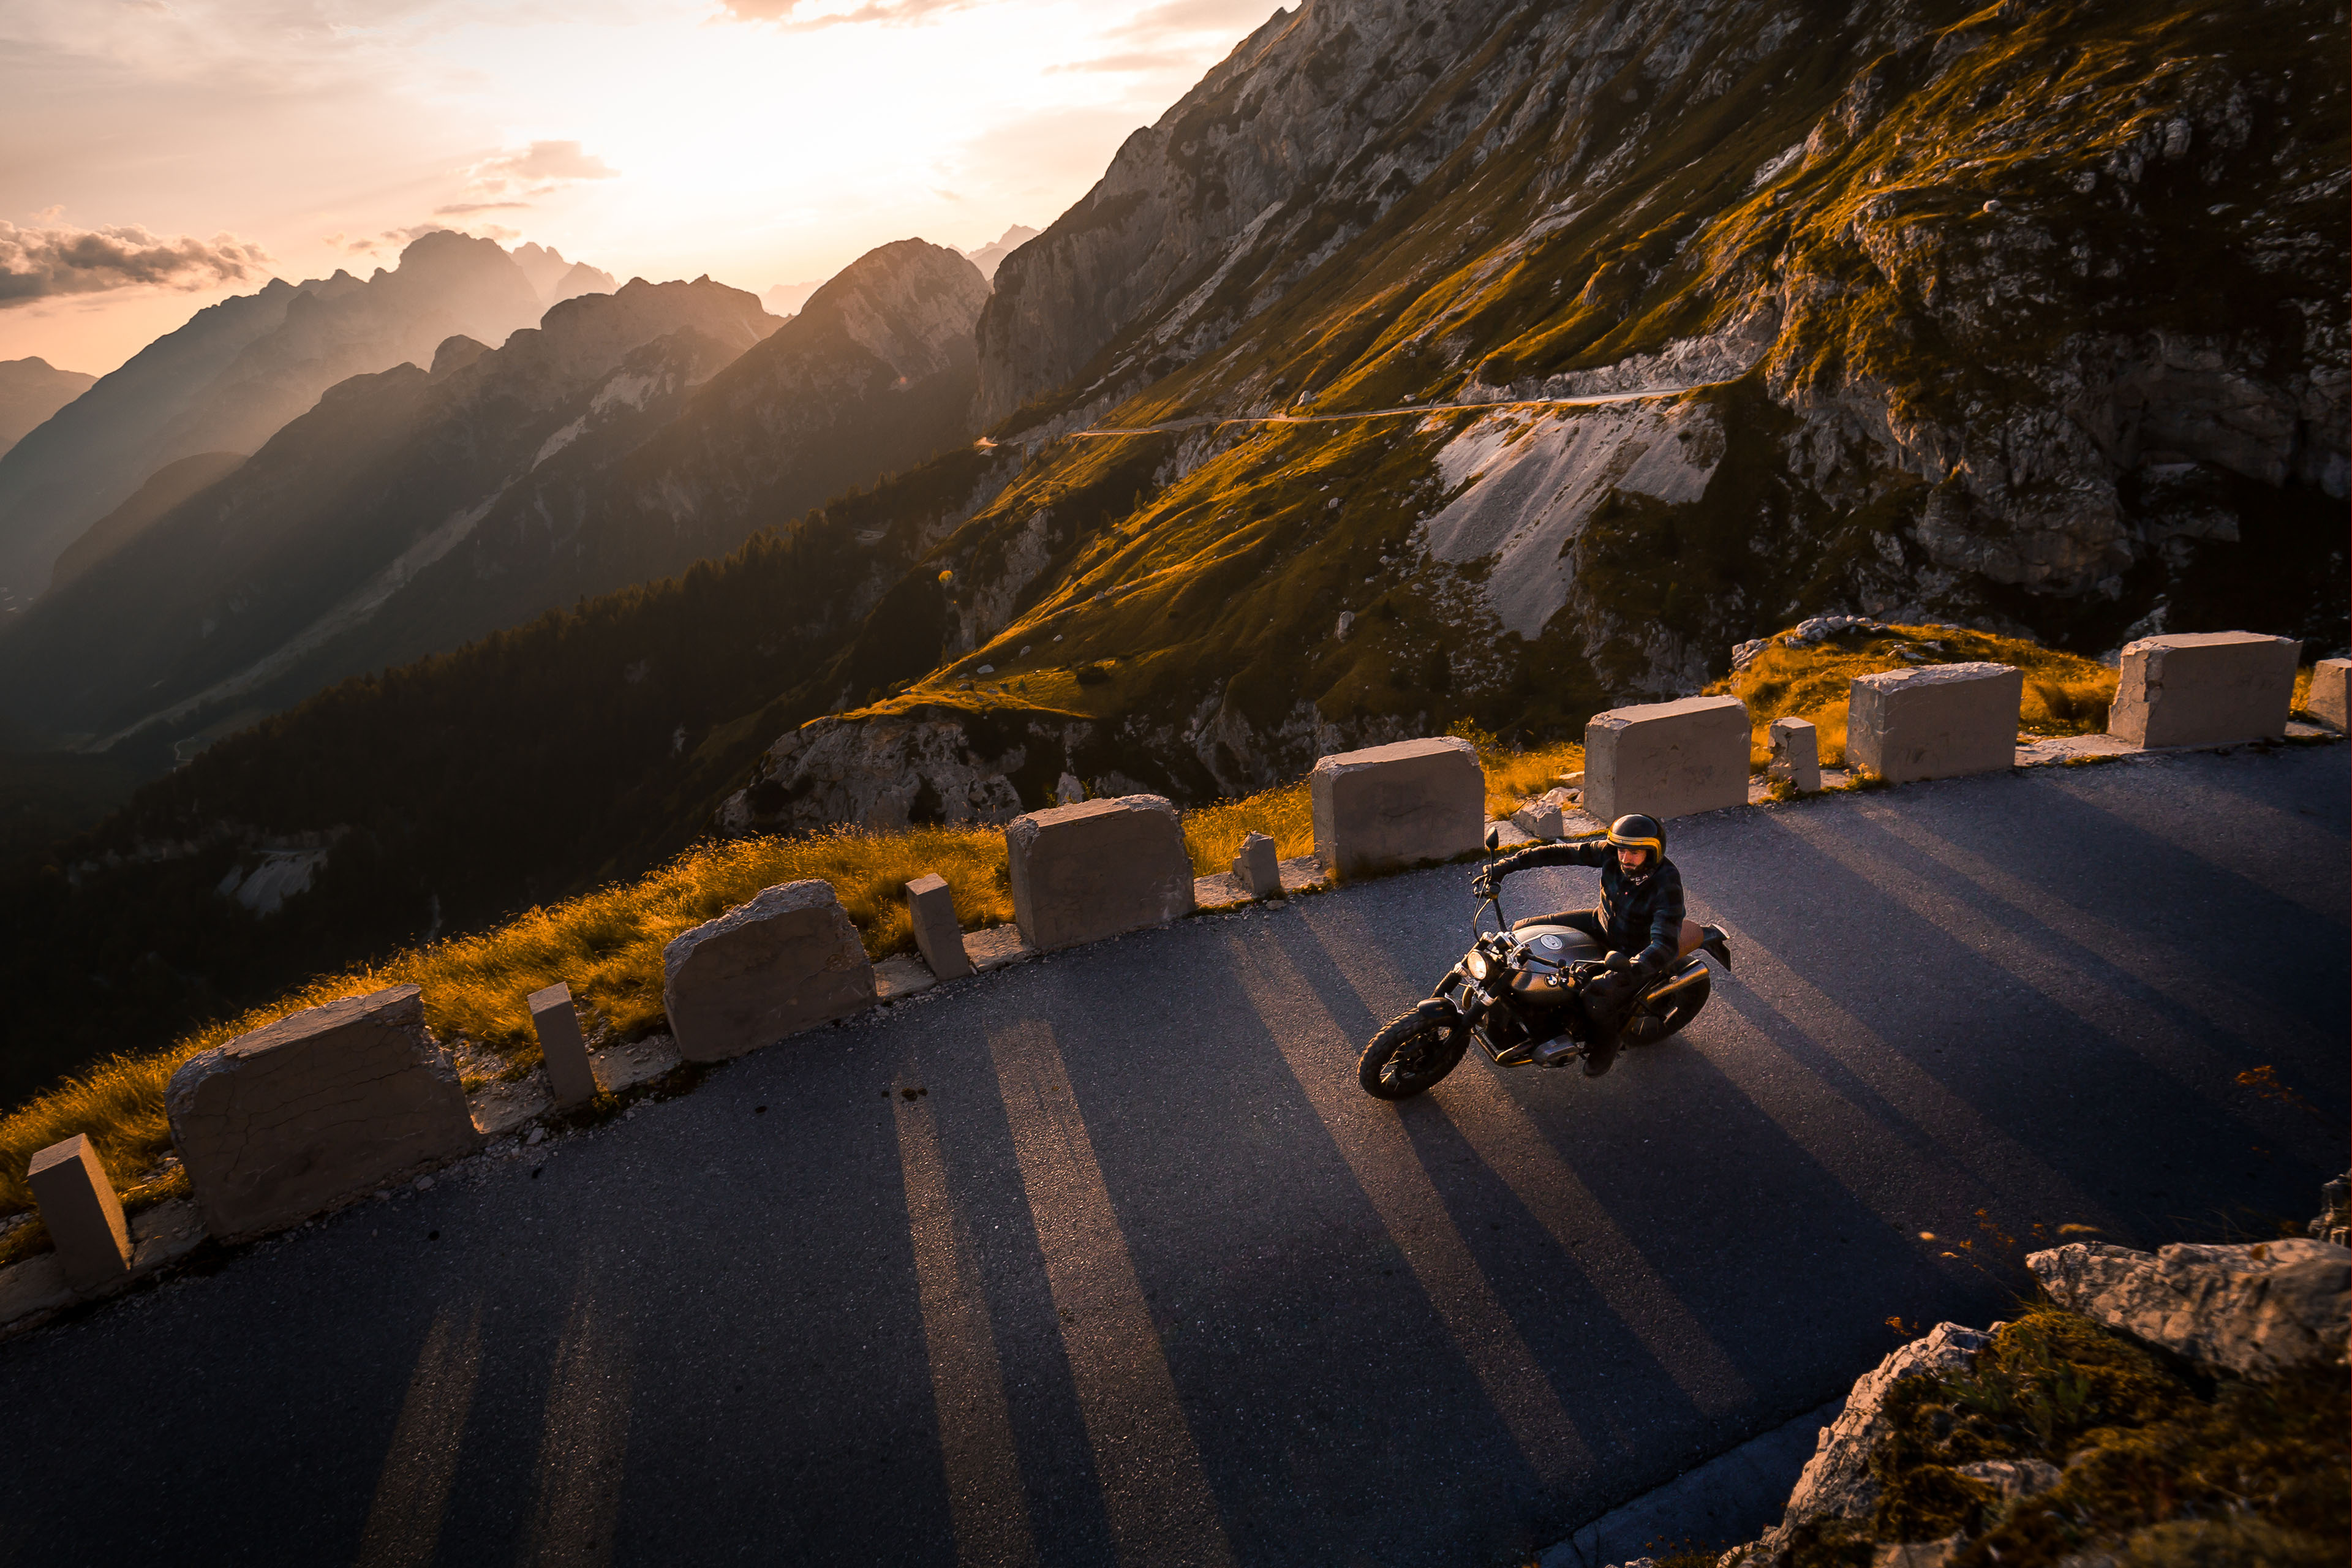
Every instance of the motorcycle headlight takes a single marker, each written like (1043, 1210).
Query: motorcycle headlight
(1476, 965)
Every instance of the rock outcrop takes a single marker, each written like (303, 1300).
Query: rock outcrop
(1836, 1482)
(2255, 1309)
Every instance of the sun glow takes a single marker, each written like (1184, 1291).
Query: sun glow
(756, 150)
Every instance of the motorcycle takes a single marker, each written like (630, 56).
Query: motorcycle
(1520, 994)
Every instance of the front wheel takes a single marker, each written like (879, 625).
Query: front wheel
(1410, 1055)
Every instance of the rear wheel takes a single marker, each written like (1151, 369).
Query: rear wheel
(1409, 1055)
(1651, 1022)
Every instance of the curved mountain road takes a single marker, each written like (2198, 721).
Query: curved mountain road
(1202, 421)
(1140, 1277)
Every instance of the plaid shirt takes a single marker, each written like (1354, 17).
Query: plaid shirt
(1642, 914)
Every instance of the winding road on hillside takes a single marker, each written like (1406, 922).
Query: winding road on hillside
(1138, 1275)
(1202, 421)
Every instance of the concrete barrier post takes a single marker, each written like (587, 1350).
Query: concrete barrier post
(2204, 688)
(1796, 754)
(1666, 759)
(1386, 808)
(570, 1077)
(321, 1105)
(1096, 868)
(1938, 722)
(84, 1216)
(787, 961)
(939, 937)
(1256, 867)
(2331, 693)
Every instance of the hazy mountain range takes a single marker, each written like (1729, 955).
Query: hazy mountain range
(2029, 317)
(30, 391)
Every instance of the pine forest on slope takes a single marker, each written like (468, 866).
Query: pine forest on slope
(2025, 317)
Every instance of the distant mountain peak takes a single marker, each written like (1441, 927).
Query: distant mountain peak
(987, 257)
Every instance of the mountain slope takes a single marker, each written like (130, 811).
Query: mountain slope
(225, 600)
(2028, 317)
(30, 391)
(233, 376)
(664, 469)
(166, 487)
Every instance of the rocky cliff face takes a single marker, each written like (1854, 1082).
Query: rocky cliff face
(2024, 317)
(875, 373)
(234, 376)
(239, 599)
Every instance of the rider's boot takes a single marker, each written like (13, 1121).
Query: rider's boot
(1599, 1050)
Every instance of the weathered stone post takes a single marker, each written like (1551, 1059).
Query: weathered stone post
(1796, 754)
(1666, 759)
(939, 937)
(1257, 868)
(1541, 819)
(84, 1216)
(2331, 693)
(1387, 807)
(1094, 869)
(569, 1075)
(321, 1106)
(2204, 688)
(1938, 722)
(787, 961)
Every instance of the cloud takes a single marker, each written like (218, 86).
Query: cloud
(1142, 60)
(59, 259)
(457, 207)
(542, 167)
(800, 15)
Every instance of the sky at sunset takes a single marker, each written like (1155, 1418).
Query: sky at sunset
(162, 154)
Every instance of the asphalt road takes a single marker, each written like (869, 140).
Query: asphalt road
(1141, 1276)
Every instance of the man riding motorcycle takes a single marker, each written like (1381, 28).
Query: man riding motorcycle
(1639, 922)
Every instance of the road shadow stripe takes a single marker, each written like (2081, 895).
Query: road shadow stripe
(404, 1522)
(584, 1442)
(985, 1497)
(2127, 1022)
(1373, 1142)
(1958, 1131)
(2094, 946)
(1154, 1491)
(1500, 1131)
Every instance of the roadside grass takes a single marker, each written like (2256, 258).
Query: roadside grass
(2065, 694)
(1515, 776)
(1213, 834)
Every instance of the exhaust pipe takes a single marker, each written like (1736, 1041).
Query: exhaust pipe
(1691, 975)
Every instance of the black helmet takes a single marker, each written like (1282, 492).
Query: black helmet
(1635, 831)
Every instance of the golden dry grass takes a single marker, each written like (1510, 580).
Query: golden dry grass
(1213, 834)
(2065, 694)
(1513, 778)
(608, 945)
